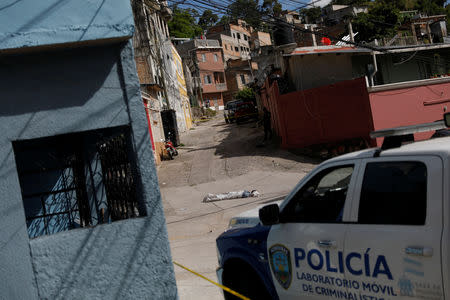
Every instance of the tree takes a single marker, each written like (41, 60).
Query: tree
(183, 23)
(382, 20)
(248, 10)
(246, 94)
(430, 7)
(224, 20)
(207, 19)
(349, 2)
(311, 15)
(272, 8)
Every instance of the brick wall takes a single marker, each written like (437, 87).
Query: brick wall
(143, 70)
(210, 63)
(213, 100)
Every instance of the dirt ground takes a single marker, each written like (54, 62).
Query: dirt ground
(219, 158)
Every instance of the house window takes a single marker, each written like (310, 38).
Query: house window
(215, 57)
(242, 48)
(238, 36)
(226, 47)
(245, 37)
(203, 57)
(207, 79)
(242, 79)
(219, 77)
(77, 180)
(236, 49)
(234, 36)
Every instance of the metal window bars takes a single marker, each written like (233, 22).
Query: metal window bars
(77, 180)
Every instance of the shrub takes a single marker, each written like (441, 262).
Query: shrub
(210, 112)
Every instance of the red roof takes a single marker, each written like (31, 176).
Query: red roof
(326, 49)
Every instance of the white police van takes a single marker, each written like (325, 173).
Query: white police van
(368, 225)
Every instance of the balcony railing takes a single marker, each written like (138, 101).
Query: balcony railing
(221, 86)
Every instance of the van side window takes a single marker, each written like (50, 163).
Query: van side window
(321, 199)
(394, 193)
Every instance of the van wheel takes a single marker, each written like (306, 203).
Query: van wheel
(241, 278)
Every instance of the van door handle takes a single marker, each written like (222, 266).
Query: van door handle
(419, 251)
(327, 244)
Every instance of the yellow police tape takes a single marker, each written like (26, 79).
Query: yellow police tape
(215, 283)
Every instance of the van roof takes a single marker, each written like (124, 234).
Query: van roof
(435, 146)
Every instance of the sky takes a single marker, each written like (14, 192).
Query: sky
(287, 4)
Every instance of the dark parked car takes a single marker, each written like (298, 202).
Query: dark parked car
(245, 111)
(230, 108)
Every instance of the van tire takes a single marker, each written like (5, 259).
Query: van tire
(241, 278)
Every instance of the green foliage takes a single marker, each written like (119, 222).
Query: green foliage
(272, 7)
(210, 112)
(311, 15)
(207, 19)
(183, 23)
(248, 10)
(224, 20)
(246, 94)
(349, 2)
(430, 7)
(382, 20)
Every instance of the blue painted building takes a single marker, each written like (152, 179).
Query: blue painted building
(81, 214)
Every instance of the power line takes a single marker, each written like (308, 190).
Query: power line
(296, 2)
(276, 21)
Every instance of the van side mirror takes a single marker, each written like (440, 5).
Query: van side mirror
(447, 119)
(270, 214)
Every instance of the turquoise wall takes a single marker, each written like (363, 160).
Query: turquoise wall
(46, 93)
(28, 23)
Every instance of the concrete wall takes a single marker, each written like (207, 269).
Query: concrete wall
(422, 102)
(28, 23)
(390, 73)
(260, 39)
(171, 84)
(230, 47)
(311, 71)
(410, 66)
(67, 91)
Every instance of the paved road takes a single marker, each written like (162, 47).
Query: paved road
(218, 158)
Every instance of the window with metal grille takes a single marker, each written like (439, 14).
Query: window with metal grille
(77, 180)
